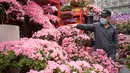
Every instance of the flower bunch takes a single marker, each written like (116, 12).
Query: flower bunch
(95, 10)
(48, 34)
(101, 58)
(68, 30)
(77, 49)
(120, 18)
(47, 9)
(124, 50)
(82, 40)
(86, 53)
(52, 17)
(78, 3)
(7, 1)
(36, 13)
(66, 14)
(121, 38)
(35, 49)
(69, 21)
(14, 12)
(57, 59)
(72, 67)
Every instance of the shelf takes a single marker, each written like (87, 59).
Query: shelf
(77, 15)
(55, 1)
(41, 2)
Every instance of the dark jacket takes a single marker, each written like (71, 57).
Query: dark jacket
(105, 38)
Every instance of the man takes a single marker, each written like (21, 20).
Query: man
(106, 36)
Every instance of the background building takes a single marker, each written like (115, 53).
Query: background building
(116, 6)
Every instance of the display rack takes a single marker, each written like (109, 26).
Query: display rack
(57, 2)
(78, 13)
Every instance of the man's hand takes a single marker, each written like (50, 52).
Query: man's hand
(117, 55)
(74, 25)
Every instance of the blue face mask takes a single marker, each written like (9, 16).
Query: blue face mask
(103, 21)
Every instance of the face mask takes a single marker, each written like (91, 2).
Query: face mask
(103, 21)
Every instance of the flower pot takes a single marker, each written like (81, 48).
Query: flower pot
(14, 70)
(9, 33)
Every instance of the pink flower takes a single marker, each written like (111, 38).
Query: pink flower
(93, 72)
(49, 34)
(34, 11)
(105, 71)
(98, 67)
(52, 17)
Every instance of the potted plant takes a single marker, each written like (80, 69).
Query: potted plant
(66, 8)
(66, 14)
(128, 28)
(121, 28)
(78, 3)
(11, 12)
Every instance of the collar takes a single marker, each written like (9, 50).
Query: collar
(110, 25)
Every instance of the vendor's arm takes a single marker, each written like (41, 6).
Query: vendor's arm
(86, 27)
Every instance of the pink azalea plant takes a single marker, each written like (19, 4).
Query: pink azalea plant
(49, 34)
(78, 59)
(121, 38)
(95, 10)
(76, 52)
(68, 30)
(32, 47)
(15, 11)
(107, 66)
(52, 17)
(47, 9)
(7, 1)
(72, 67)
(36, 13)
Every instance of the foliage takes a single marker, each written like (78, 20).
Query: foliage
(123, 28)
(66, 8)
(128, 62)
(12, 61)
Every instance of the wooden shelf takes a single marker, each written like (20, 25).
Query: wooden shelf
(78, 13)
(55, 1)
